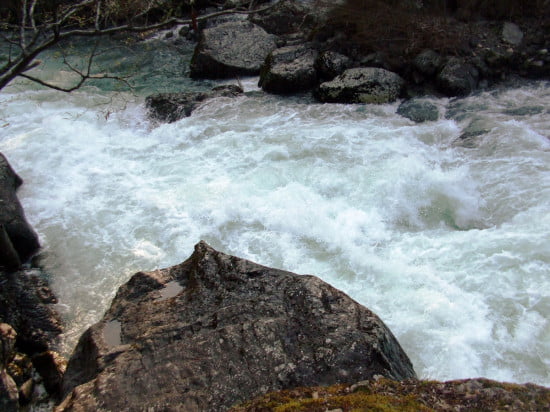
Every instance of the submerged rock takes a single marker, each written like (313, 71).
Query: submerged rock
(231, 49)
(362, 85)
(18, 241)
(170, 107)
(216, 330)
(289, 70)
(418, 110)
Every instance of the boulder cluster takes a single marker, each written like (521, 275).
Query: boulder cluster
(286, 46)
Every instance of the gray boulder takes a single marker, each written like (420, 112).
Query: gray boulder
(18, 241)
(457, 78)
(231, 49)
(330, 64)
(215, 330)
(170, 107)
(289, 70)
(418, 110)
(362, 85)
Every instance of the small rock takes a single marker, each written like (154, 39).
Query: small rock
(330, 64)
(512, 34)
(428, 62)
(7, 344)
(9, 395)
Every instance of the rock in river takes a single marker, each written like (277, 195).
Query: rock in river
(215, 330)
(231, 49)
(362, 85)
(171, 107)
(289, 70)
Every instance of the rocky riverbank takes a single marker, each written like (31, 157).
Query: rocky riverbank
(300, 46)
(30, 369)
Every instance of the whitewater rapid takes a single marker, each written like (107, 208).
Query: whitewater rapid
(448, 244)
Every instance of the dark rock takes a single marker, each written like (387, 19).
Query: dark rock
(9, 258)
(215, 330)
(418, 110)
(7, 344)
(19, 233)
(25, 305)
(471, 134)
(330, 64)
(26, 391)
(362, 85)
(170, 107)
(287, 16)
(231, 49)
(428, 62)
(51, 366)
(457, 78)
(20, 368)
(289, 70)
(9, 395)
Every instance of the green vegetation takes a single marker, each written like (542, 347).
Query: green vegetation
(384, 395)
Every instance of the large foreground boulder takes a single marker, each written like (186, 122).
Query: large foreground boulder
(362, 85)
(18, 241)
(289, 70)
(231, 49)
(171, 107)
(216, 330)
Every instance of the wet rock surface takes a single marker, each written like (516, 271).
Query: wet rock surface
(289, 70)
(170, 107)
(18, 241)
(361, 85)
(231, 331)
(231, 49)
(418, 110)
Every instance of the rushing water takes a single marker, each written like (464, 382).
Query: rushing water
(450, 245)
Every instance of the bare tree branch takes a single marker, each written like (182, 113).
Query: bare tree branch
(60, 25)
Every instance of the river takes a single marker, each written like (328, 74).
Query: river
(448, 243)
